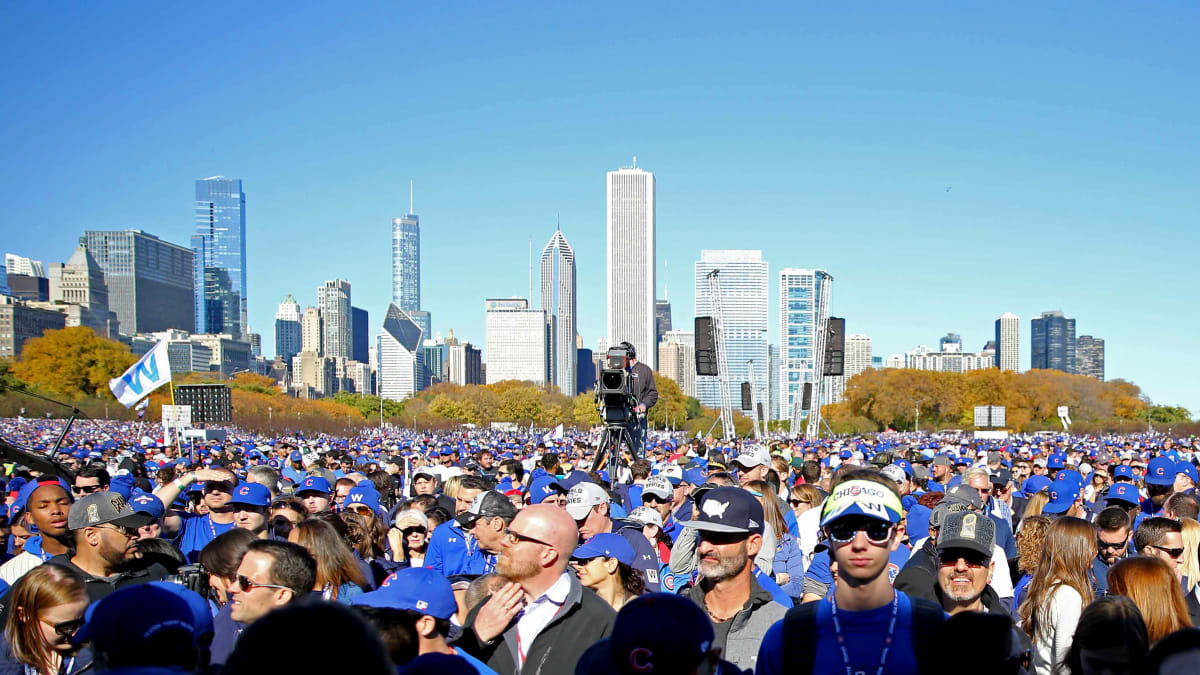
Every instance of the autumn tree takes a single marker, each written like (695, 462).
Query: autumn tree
(74, 362)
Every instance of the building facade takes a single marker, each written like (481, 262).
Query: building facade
(219, 254)
(1008, 342)
(150, 281)
(1052, 342)
(360, 334)
(1089, 356)
(858, 354)
(677, 360)
(20, 323)
(312, 331)
(464, 363)
(333, 301)
(406, 262)
(630, 260)
(229, 355)
(288, 336)
(744, 281)
(799, 290)
(558, 302)
(516, 341)
(399, 355)
(662, 319)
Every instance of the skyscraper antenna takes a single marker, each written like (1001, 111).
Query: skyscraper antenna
(635, 161)
(557, 223)
(531, 272)
(410, 201)
(666, 280)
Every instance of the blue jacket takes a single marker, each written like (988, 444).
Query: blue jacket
(788, 559)
(451, 551)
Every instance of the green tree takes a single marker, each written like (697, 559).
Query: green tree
(73, 362)
(368, 405)
(671, 408)
(583, 410)
(520, 404)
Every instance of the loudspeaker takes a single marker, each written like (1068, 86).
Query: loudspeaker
(806, 402)
(746, 396)
(706, 347)
(835, 347)
(761, 415)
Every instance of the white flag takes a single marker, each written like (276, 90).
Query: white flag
(150, 372)
(558, 433)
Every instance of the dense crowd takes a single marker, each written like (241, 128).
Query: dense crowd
(499, 552)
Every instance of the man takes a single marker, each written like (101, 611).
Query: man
(1065, 500)
(264, 475)
(341, 488)
(658, 494)
(428, 600)
(1181, 505)
(105, 532)
(754, 462)
(939, 474)
(964, 549)
(1161, 538)
(644, 390)
(1160, 480)
(1113, 527)
(251, 504)
(152, 507)
(543, 619)
(1185, 477)
(981, 480)
(314, 494)
(451, 551)
(487, 520)
(192, 532)
(843, 632)
(271, 574)
(92, 478)
(294, 472)
(44, 503)
(1126, 497)
(588, 504)
(729, 527)
(156, 627)
(424, 481)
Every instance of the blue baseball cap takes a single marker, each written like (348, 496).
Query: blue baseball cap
(144, 502)
(1035, 484)
(296, 456)
(607, 545)
(695, 476)
(313, 484)
(366, 496)
(1062, 495)
(1123, 492)
(1188, 469)
(121, 622)
(252, 494)
(1122, 471)
(417, 588)
(1056, 461)
(542, 488)
(1160, 471)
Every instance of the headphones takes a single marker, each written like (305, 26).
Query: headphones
(629, 348)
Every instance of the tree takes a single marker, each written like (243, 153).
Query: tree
(672, 408)
(74, 362)
(520, 404)
(584, 412)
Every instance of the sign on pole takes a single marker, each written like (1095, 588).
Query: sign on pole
(175, 418)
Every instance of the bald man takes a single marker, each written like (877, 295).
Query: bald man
(542, 620)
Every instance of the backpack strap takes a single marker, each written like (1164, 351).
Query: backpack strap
(927, 619)
(800, 638)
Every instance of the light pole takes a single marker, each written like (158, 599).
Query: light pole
(917, 407)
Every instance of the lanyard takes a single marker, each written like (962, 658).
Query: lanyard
(887, 639)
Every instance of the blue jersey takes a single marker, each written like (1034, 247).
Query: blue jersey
(195, 534)
(451, 551)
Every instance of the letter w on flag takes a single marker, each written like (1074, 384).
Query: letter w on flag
(151, 372)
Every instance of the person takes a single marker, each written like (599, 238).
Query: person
(48, 603)
(804, 497)
(409, 537)
(1112, 543)
(1177, 653)
(645, 392)
(1031, 539)
(152, 506)
(558, 618)
(987, 641)
(1154, 588)
(487, 519)
(754, 462)
(964, 549)
(605, 564)
(251, 504)
(428, 599)
(314, 494)
(980, 479)
(588, 504)
(155, 625)
(45, 503)
(221, 559)
(450, 550)
(1161, 538)
(1111, 638)
(787, 564)
(1190, 563)
(91, 478)
(1059, 590)
(864, 625)
(270, 575)
(339, 577)
(192, 532)
(348, 644)
(729, 528)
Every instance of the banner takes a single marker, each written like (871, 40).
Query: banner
(150, 372)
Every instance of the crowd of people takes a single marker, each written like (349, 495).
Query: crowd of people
(498, 552)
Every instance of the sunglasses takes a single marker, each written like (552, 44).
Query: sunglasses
(972, 560)
(86, 489)
(361, 509)
(1118, 545)
(65, 629)
(723, 538)
(877, 531)
(797, 502)
(248, 585)
(654, 499)
(1173, 552)
(409, 531)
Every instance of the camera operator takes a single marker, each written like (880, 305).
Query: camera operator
(644, 390)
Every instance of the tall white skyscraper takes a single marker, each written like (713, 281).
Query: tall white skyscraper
(312, 332)
(558, 302)
(516, 341)
(677, 359)
(333, 301)
(858, 354)
(288, 333)
(406, 260)
(744, 310)
(399, 356)
(1008, 342)
(630, 270)
(799, 290)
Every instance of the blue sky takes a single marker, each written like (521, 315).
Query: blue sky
(1066, 133)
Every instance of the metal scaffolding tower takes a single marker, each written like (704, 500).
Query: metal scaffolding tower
(754, 402)
(714, 291)
(822, 331)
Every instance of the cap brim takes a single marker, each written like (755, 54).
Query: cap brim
(579, 511)
(705, 526)
(467, 519)
(968, 544)
(134, 521)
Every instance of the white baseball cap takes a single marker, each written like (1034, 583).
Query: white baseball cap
(583, 497)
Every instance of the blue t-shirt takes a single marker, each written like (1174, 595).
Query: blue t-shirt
(195, 534)
(864, 634)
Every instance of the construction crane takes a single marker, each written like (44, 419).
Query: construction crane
(714, 292)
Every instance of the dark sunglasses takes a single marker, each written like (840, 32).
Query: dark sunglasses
(86, 489)
(409, 531)
(797, 502)
(722, 538)
(67, 629)
(1118, 545)
(973, 560)
(654, 499)
(249, 585)
(843, 532)
(218, 486)
(1173, 552)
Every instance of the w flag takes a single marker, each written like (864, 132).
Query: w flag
(143, 377)
(141, 408)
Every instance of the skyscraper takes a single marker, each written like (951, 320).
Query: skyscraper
(858, 354)
(558, 302)
(1089, 355)
(744, 287)
(333, 301)
(312, 332)
(799, 290)
(630, 271)
(464, 363)
(361, 334)
(516, 341)
(951, 342)
(677, 360)
(662, 319)
(150, 281)
(1008, 342)
(219, 251)
(399, 357)
(406, 261)
(288, 336)
(1052, 343)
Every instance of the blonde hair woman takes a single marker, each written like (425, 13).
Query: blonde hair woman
(1191, 552)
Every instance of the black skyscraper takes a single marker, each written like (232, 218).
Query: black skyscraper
(1053, 343)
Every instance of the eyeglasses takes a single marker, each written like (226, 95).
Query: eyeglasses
(125, 531)
(654, 499)
(1105, 545)
(797, 502)
(410, 531)
(514, 538)
(972, 560)
(86, 489)
(1173, 552)
(248, 585)
(65, 629)
(842, 532)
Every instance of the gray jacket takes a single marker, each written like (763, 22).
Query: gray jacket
(749, 625)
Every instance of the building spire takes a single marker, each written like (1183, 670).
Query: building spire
(410, 196)
(666, 280)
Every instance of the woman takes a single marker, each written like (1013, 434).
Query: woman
(1059, 590)
(1030, 540)
(788, 562)
(339, 577)
(1034, 506)
(1191, 552)
(605, 565)
(804, 497)
(47, 603)
(368, 541)
(220, 558)
(651, 523)
(1111, 638)
(1154, 588)
(409, 537)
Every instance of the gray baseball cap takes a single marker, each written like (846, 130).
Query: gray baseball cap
(104, 507)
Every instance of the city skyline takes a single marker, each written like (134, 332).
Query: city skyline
(995, 148)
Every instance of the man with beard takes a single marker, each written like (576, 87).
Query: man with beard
(43, 503)
(543, 620)
(105, 529)
(964, 549)
(729, 527)
(939, 474)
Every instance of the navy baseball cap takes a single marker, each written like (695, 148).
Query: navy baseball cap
(417, 588)
(1160, 471)
(144, 502)
(728, 509)
(365, 495)
(1126, 493)
(296, 456)
(251, 494)
(313, 484)
(638, 644)
(606, 545)
(122, 622)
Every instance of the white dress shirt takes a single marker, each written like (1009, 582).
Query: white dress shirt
(539, 613)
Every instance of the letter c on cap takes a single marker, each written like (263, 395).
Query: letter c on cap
(639, 660)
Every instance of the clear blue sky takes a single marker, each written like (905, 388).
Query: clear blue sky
(1067, 133)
